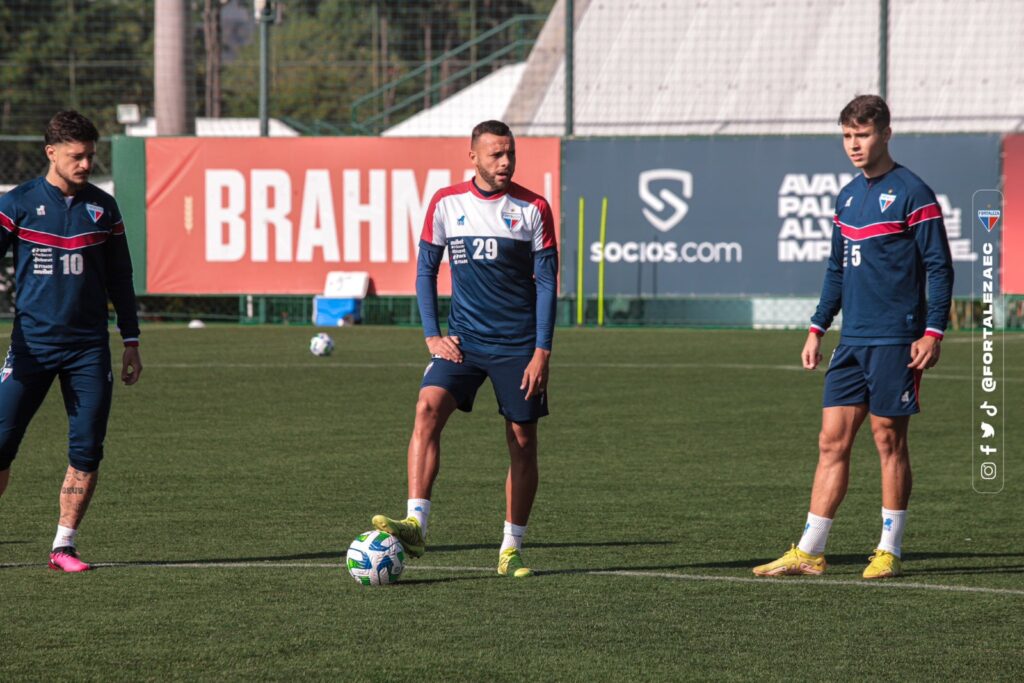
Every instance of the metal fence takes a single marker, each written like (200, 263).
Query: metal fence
(553, 67)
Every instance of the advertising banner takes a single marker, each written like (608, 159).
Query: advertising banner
(741, 215)
(274, 216)
(1013, 205)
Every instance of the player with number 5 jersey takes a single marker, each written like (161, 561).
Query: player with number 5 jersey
(70, 256)
(891, 273)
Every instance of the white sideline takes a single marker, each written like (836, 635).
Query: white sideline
(806, 581)
(612, 366)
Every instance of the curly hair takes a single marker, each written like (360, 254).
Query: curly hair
(70, 126)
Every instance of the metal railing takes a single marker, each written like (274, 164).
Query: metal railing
(429, 72)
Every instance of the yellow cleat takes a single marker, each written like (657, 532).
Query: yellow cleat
(510, 563)
(795, 561)
(883, 565)
(407, 530)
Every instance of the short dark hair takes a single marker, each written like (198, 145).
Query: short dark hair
(493, 127)
(865, 109)
(70, 126)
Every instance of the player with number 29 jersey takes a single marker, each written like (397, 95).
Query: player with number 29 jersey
(496, 245)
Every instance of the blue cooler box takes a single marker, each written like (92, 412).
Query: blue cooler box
(329, 311)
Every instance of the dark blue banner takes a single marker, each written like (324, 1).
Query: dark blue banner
(741, 215)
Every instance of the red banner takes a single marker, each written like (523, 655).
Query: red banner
(1013, 215)
(274, 216)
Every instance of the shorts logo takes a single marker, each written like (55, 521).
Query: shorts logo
(5, 373)
(428, 368)
(885, 201)
(95, 212)
(512, 220)
(905, 398)
(989, 218)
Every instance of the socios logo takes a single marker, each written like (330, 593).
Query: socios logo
(676, 187)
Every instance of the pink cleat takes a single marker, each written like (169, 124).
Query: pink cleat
(66, 560)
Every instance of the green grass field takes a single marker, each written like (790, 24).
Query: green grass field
(240, 468)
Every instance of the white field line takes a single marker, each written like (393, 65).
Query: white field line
(896, 584)
(555, 366)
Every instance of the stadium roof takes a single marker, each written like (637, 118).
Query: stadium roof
(647, 67)
(486, 99)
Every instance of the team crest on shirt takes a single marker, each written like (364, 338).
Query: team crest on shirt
(95, 212)
(989, 218)
(885, 201)
(513, 220)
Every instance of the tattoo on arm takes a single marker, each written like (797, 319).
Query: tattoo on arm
(73, 490)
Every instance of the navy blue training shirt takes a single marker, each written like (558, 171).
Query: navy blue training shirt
(890, 269)
(69, 258)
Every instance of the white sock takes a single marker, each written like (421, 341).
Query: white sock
(513, 537)
(815, 534)
(892, 530)
(64, 537)
(420, 509)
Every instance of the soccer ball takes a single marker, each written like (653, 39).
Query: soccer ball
(375, 558)
(321, 344)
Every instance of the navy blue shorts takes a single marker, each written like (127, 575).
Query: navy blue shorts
(463, 379)
(875, 375)
(86, 383)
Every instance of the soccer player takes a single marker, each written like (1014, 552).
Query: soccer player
(889, 248)
(70, 254)
(500, 239)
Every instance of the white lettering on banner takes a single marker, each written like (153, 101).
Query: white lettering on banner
(807, 205)
(409, 207)
(374, 213)
(667, 252)
(317, 227)
(811, 250)
(959, 246)
(817, 184)
(224, 245)
(264, 214)
(806, 228)
(273, 198)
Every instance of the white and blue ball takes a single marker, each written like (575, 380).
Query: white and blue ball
(375, 558)
(321, 344)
